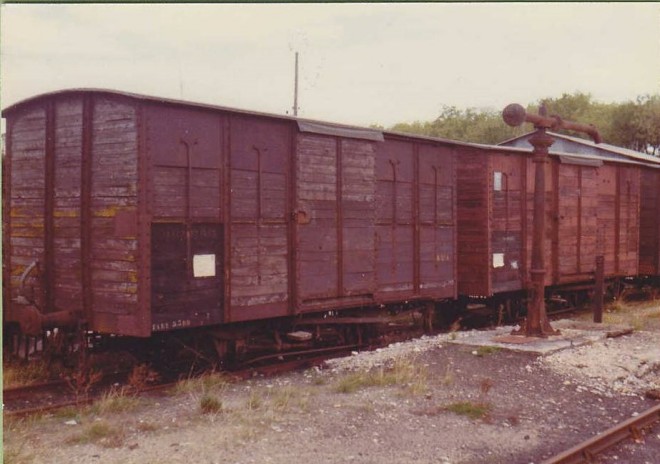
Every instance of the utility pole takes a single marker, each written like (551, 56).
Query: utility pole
(295, 90)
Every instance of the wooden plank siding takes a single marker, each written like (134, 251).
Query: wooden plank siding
(507, 194)
(589, 211)
(26, 156)
(629, 217)
(437, 222)
(358, 278)
(474, 184)
(649, 232)
(113, 248)
(259, 208)
(577, 212)
(395, 220)
(593, 215)
(74, 166)
(68, 273)
(335, 196)
(415, 220)
(184, 149)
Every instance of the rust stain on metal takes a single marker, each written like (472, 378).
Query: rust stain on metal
(536, 323)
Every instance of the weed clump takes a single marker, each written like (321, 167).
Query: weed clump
(202, 384)
(404, 373)
(146, 426)
(142, 376)
(210, 404)
(116, 400)
(254, 401)
(100, 433)
(486, 350)
(469, 409)
(18, 373)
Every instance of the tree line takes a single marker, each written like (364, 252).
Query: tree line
(633, 124)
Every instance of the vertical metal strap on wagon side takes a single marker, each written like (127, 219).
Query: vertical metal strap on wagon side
(416, 222)
(86, 206)
(291, 225)
(339, 153)
(49, 207)
(617, 221)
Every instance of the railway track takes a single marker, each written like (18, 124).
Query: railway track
(588, 449)
(50, 396)
(55, 394)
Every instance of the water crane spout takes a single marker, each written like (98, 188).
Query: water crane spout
(515, 115)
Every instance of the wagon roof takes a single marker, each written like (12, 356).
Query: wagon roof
(305, 125)
(346, 130)
(605, 150)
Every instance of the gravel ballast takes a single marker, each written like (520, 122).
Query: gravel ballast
(532, 407)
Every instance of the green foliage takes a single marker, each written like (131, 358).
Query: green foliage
(633, 124)
(636, 125)
(471, 125)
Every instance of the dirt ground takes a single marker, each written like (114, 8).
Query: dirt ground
(424, 401)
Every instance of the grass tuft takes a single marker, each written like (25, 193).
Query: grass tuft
(210, 404)
(19, 373)
(17, 455)
(487, 350)
(450, 377)
(469, 409)
(202, 384)
(405, 373)
(69, 412)
(116, 400)
(254, 401)
(282, 398)
(100, 433)
(146, 426)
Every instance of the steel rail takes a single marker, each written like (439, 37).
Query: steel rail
(24, 390)
(243, 373)
(585, 451)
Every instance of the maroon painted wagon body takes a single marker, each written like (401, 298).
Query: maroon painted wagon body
(140, 214)
(649, 228)
(592, 207)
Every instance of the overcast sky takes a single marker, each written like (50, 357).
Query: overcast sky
(359, 63)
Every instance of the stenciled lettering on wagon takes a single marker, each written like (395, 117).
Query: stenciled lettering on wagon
(204, 232)
(170, 325)
(172, 233)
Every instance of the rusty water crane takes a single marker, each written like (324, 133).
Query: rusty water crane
(536, 323)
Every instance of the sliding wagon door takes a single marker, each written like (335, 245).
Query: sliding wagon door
(334, 218)
(187, 243)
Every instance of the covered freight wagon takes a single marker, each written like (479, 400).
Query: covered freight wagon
(592, 207)
(649, 185)
(136, 214)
